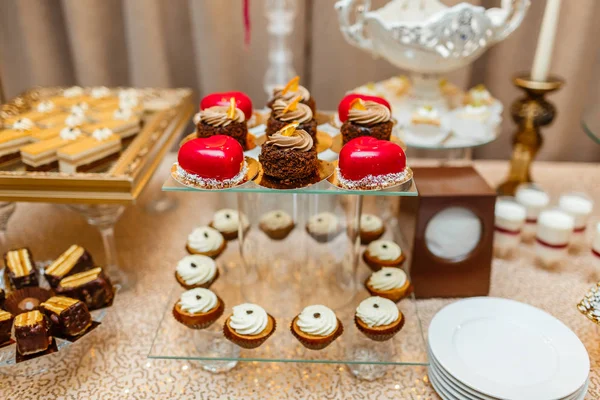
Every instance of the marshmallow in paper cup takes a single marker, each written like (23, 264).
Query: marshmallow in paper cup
(534, 199)
(553, 235)
(509, 221)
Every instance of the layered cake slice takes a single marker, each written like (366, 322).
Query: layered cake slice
(42, 156)
(32, 332)
(20, 268)
(122, 122)
(67, 316)
(42, 110)
(74, 260)
(11, 140)
(90, 153)
(92, 287)
(6, 323)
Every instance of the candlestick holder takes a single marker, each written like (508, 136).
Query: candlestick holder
(530, 113)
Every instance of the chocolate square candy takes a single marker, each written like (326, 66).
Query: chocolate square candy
(6, 323)
(74, 260)
(32, 332)
(92, 287)
(20, 268)
(68, 317)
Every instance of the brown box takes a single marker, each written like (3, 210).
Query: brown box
(472, 202)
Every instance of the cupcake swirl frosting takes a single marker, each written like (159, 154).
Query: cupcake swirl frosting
(388, 278)
(300, 141)
(323, 223)
(384, 250)
(228, 220)
(217, 116)
(196, 269)
(248, 319)
(375, 113)
(302, 113)
(277, 219)
(370, 223)
(317, 320)
(198, 300)
(289, 95)
(205, 239)
(377, 311)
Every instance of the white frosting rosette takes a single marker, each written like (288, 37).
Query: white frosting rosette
(228, 220)
(198, 300)
(205, 240)
(248, 319)
(324, 223)
(384, 250)
(277, 219)
(388, 278)
(317, 320)
(377, 311)
(370, 223)
(196, 270)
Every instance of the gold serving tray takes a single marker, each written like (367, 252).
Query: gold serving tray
(125, 179)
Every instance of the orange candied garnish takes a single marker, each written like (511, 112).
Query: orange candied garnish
(289, 129)
(357, 104)
(292, 85)
(292, 104)
(231, 109)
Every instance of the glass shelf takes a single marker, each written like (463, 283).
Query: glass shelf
(323, 187)
(591, 122)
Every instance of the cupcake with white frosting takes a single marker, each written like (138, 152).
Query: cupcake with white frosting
(198, 308)
(227, 221)
(323, 227)
(276, 224)
(206, 241)
(249, 326)
(316, 327)
(390, 283)
(378, 318)
(383, 253)
(196, 271)
(371, 228)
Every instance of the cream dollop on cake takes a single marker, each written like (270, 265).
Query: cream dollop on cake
(198, 300)
(196, 269)
(384, 250)
(205, 239)
(388, 278)
(377, 311)
(317, 320)
(248, 319)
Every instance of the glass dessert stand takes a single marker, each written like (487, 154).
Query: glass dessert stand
(591, 122)
(284, 276)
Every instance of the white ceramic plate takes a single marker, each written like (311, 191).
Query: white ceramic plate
(506, 349)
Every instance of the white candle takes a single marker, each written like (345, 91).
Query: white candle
(533, 198)
(579, 206)
(543, 52)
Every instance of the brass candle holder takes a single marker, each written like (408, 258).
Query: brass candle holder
(530, 113)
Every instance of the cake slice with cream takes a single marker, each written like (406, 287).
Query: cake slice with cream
(42, 110)
(90, 153)
(11, 140)
(122, 122)
(42, 155)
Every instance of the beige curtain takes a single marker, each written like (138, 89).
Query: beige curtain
(199, 44)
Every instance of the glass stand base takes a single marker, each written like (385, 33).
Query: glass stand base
(161, 203)
(222, 352)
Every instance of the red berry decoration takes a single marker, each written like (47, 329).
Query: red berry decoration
(344, 106)
(217, 157)
(366, 156)
(242, 101)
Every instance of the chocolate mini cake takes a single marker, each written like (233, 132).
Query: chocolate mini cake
(68, 316)
(75, 259)
(286, 112)
(92, 287)
(367, 118)
(6, 323)
(32, 332)
(2, 298)
(221, 120)
(289, 155)
(20, 268)
(291, 90)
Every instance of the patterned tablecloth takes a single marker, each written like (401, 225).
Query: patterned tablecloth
(112, 363)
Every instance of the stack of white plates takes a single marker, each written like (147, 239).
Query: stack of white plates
(487, 348)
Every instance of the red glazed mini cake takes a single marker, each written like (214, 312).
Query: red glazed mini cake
(214, 162)
(289, 155)
(367, 118)
(285, 112)
(223, 120)
(290, 91)
(390, 283)
(369, 163)
(378, 318)
(242, 101)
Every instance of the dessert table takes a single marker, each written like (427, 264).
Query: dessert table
(113, 363)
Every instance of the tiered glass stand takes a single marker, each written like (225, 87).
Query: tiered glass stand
(284, 276)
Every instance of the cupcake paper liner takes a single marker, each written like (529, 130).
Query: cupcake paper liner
(376, 266)
(205, 285)
(278, 234)
(380, 335)
(30, 297)
(212, 254)
(247, 342)
(394, 295)
(321, 342)
(199, 321)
